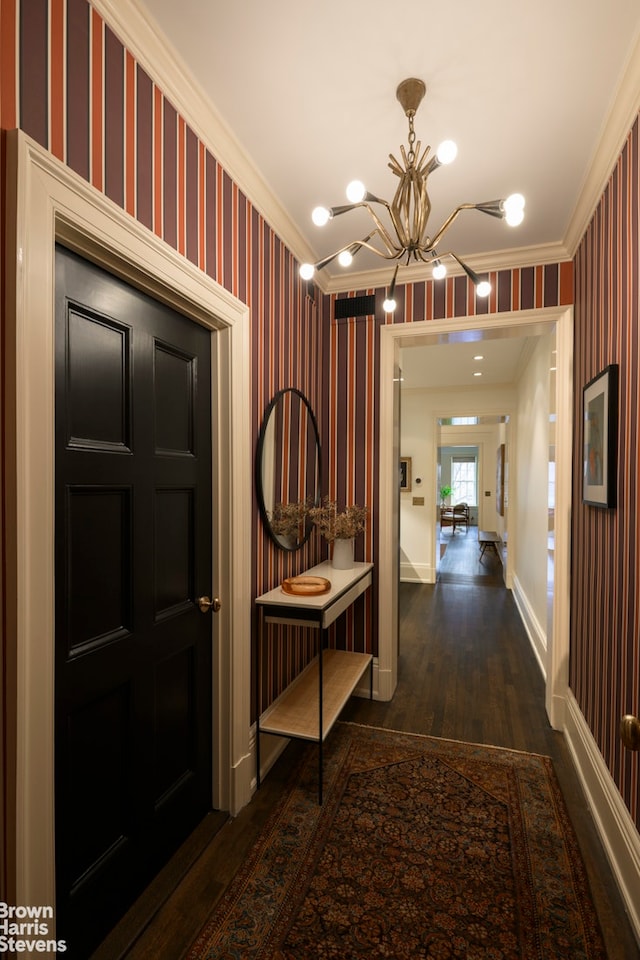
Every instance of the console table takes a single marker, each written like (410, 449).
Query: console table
(308, 708)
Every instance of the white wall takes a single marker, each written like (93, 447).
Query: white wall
(419, 438)
(529, 516)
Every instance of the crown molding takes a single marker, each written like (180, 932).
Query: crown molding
(623, 110)
(156, 55)
(140, 34)
(418, 272)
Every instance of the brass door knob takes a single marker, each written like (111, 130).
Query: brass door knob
(630, 732)
(206, 605)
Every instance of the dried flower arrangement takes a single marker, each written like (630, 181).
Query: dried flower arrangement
(334, 525)
(290, 519)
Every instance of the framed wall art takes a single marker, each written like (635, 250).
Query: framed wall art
(600, 438)
(405, 474)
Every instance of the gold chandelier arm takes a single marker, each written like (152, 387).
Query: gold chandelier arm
(382, 231)
(353, 248)
(392, 248)
(447, 223)
(389, 255)
(428, 255)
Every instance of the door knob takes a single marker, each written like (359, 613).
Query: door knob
(206, 605)
(630, 732)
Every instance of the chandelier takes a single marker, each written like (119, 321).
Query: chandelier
(406, 238)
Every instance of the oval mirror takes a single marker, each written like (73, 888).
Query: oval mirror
(288, 468)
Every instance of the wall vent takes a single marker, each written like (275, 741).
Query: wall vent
(354, 307)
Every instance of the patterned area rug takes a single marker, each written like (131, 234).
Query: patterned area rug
(422, 848)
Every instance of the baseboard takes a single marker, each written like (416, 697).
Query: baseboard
(617, 831)
(271, 748)
(242, 780)
(364, 688)
(417, 573)
(537, 636)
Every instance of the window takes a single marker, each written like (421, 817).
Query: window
(464, 480)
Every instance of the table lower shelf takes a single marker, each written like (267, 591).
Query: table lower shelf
(296, 711)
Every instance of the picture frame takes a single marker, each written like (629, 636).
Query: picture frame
(405, 474)
(600, 438)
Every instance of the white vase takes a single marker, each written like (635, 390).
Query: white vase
(342, 554)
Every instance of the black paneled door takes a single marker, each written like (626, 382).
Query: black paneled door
(133, 553)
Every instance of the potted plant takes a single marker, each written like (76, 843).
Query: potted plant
(339, 527)
(445, 491)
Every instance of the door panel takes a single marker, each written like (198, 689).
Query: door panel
(133, 552)
(97, 617)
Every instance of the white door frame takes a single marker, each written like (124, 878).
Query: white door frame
(46, 202)
(518, 323)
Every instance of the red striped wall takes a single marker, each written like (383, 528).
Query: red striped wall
(67, 80)
(605, 582)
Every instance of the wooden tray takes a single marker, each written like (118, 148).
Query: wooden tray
(306, 586)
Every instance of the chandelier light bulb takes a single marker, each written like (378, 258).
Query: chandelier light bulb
(483, 289)
(345, 259)
(389, 305)
(447, 152)
(514, 209)
(307, 270)
(356, 191)
(439, 271)
(320, 216)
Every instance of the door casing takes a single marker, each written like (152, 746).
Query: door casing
(46, 202)
(518, 323)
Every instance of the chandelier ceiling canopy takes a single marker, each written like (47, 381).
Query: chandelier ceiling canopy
(405, 237)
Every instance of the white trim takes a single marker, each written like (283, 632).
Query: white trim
(417, 572)
(617, 831)
(49, 201)
(619, 120)
(537, 635)
(392, 338)
(557, 673)
(348, 281)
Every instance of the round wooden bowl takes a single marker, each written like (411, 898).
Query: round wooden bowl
(306, 586)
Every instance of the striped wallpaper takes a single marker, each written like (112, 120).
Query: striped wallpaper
(605, 594)
(68, 81)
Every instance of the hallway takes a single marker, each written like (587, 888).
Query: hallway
(461, 560)
(466, 672)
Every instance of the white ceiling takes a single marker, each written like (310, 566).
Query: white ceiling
(452, 365)
(307, 92)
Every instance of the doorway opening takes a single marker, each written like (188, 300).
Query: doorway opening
(553, 652)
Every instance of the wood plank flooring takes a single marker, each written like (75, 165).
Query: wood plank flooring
(466, 672)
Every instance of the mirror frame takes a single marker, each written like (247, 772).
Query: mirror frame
(264, 514)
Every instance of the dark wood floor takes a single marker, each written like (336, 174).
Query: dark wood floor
(466, 672)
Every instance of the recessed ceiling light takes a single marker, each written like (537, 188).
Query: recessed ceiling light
(477, 374)
(478, 356)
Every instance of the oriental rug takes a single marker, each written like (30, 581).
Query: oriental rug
(422, 848)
